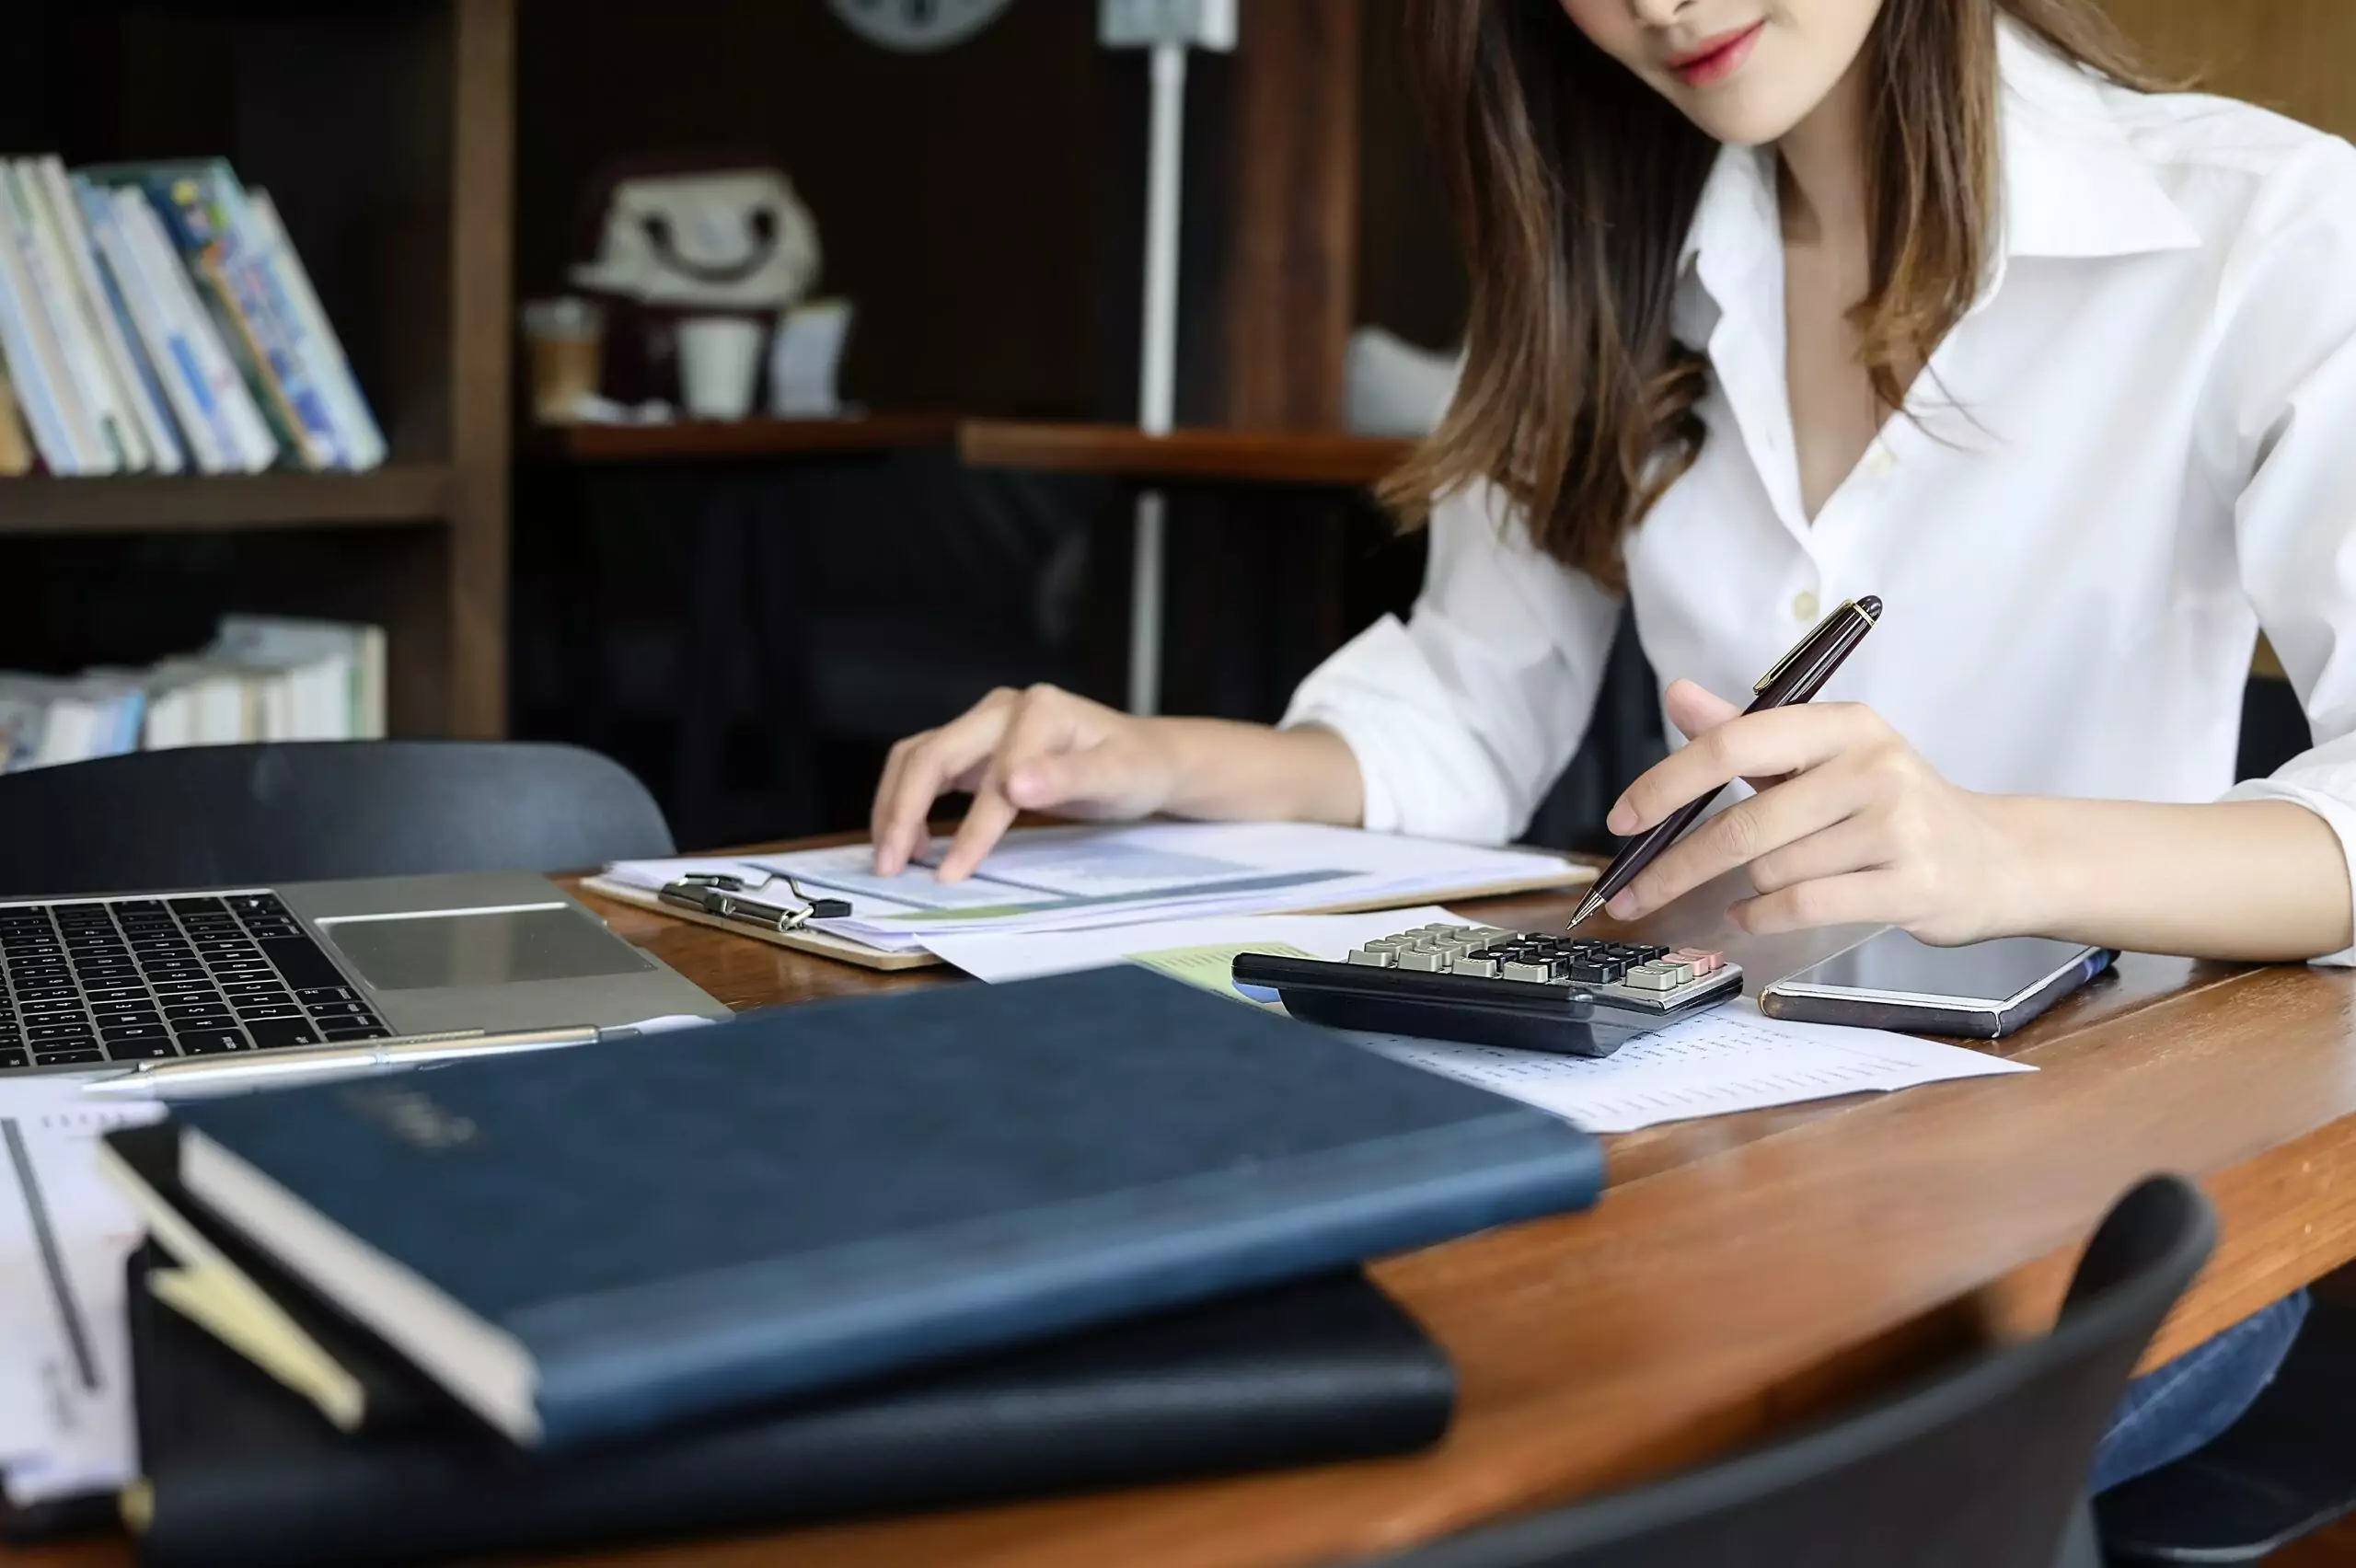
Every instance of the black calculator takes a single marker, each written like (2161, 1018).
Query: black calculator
(1529, 990)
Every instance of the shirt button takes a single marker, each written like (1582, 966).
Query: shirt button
(1879, 462)
(1804, 607)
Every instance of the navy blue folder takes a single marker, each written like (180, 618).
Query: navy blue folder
(604, 1241)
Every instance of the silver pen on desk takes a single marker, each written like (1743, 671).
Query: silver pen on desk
(193, 1077)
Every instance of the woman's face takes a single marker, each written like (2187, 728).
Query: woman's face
(1745, 71)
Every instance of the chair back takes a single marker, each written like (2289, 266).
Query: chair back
(278, 812)
(1980, 1466)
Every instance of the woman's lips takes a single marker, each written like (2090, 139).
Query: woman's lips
(1717, 58)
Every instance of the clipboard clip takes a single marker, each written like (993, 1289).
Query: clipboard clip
(723, 897)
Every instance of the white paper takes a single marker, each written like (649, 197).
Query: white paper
(1731, 1058)
(1000, 958)
(1067, 879)
(65, 1411)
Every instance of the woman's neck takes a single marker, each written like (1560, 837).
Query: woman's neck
(1823, 178)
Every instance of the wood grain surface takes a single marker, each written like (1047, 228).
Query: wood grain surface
(1307, 457)
(1741, 1273)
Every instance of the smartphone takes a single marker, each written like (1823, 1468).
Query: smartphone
(1984, 991)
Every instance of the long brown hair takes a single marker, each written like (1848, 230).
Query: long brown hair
(1574, 184)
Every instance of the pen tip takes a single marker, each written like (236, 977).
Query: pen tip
(1587, 906)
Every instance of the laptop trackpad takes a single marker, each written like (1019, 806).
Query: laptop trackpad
(463, 948)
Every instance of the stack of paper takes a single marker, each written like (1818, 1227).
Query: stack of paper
(1730, 1058)
(65, 1414)
(1066, 879)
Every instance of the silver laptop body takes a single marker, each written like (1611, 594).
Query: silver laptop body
(90, 984)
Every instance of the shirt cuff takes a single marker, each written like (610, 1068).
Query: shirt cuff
(1379, 809)
(2339, 813)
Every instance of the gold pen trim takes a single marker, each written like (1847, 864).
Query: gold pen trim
(1803, 644)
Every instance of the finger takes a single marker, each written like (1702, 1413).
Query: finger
(1783, 740)
(879, 810)
(1857, 844)
(1695, 710)
(1853, 898)
(928, 769)
(1741, 834)
(986, 823)
(1043, 723)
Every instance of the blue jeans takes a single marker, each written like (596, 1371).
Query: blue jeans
(2182, 1406)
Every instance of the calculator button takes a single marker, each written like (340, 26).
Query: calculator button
(1478, 967)
(1374, 957)
(1647, 978)
(1425, 961)
(1519, 970)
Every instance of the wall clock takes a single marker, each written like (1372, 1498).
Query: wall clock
(916, 26)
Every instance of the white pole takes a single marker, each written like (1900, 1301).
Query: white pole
(1158, 372)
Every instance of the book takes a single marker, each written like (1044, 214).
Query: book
(69, 443)
(54, 284)
(24, 715)
(91, 715)
(363, 443)
(129, 379)
(643, 1243)
(239, 1472)
(15, 443)
(195, 702)
(196, 415)
(200, 348)
(27, 386)
(333, 675)
(202, 207)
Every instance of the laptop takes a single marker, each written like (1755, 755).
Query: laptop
(122, 978)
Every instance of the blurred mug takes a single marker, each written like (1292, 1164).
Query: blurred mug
(720, 362)
(566, 339)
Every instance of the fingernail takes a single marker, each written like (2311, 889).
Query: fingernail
(1623, 906)
(1622, 820)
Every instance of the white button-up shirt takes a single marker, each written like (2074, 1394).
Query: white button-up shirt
(2138, 449)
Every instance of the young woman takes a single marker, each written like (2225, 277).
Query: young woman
(1777, 303)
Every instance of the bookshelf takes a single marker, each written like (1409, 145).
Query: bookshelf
(401, 493)
(384, 132)
(688, 440)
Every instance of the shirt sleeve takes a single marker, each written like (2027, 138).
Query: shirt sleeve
(2287, 389)
(1462, 718)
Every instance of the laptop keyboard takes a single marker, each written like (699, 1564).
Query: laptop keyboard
(91, 981)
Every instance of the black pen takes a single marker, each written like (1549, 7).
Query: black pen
(1796, 677)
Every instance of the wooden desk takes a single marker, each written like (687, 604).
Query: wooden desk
(1741, 1273)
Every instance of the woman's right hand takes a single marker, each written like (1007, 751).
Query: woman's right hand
(1041, 749)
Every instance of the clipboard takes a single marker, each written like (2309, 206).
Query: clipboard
(1571, 874)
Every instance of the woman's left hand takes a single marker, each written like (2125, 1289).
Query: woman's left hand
(1849, 824)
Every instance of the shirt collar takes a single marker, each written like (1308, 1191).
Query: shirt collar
(2073, 183)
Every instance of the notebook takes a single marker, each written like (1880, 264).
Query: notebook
(239, 1472)
(622, 1238)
